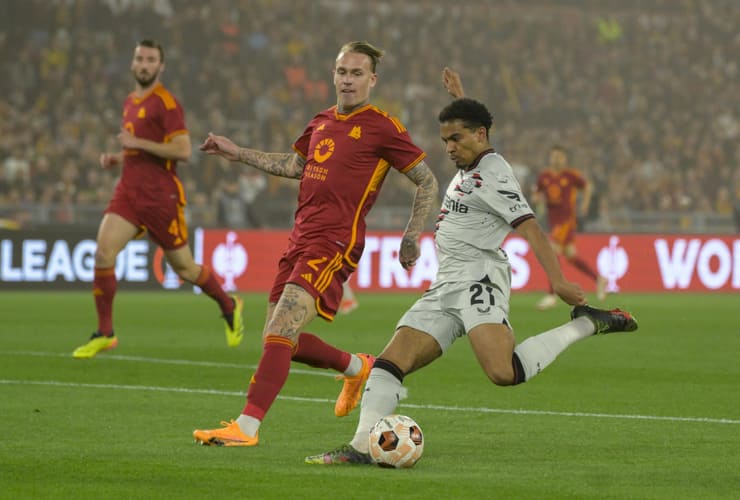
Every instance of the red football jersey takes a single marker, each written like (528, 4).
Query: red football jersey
(157, 116)
(347, 159)
(560, 190)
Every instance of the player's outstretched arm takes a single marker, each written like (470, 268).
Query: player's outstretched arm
(280, 164)
(571, 293)
(424, 199)
(452, 82)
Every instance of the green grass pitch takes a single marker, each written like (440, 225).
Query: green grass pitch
(654, 414)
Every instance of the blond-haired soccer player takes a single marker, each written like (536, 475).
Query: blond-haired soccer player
(341, 159)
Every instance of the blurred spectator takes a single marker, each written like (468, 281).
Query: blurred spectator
(644, 93)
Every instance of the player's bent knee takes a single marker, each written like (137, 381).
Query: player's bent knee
(501, 375)
(188, 273)
(105, 257)
(411, 349)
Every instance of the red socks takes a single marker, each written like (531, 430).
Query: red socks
(104, 289)
(584, 268)
(274, 366)
(313, 351)
(271, 374)
(207, 282)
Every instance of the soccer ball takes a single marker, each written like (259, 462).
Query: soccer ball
(396, 441)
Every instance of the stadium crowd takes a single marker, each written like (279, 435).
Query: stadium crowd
(643, 94)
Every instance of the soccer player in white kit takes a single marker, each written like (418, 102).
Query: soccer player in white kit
(470, 295)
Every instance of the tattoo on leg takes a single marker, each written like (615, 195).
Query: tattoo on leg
(290, 315)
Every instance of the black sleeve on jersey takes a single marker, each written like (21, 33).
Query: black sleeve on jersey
(521, 219)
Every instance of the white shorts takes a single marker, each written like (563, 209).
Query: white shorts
(450, 310)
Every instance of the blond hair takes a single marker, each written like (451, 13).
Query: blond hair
(374, 53)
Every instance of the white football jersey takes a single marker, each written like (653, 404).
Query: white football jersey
(481, 206)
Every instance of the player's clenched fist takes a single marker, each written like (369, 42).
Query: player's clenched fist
(409, 252)
(220, 145)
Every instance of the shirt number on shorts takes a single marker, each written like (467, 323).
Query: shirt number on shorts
(477, 294)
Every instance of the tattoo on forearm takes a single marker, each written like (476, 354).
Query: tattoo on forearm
(424, 200)
(280, 164)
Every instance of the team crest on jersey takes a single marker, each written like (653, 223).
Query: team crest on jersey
(142, 113)
(356, 132)
(467, 185)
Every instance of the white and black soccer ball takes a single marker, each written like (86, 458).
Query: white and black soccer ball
(396, 441)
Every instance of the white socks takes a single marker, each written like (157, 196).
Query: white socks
(248, 425)
(354, 366)
(537, 352)
(382, 392)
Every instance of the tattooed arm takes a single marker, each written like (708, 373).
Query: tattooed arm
(280, 164)
(424, 200)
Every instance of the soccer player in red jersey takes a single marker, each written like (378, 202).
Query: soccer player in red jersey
(557, 188)
(341, 159)
(149, 198)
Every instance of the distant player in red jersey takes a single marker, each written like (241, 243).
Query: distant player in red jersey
(557, 188)
(341, 159)
(149, 198)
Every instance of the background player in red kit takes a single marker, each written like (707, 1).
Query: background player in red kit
(149, 197)
(341, 158)
(557, 188)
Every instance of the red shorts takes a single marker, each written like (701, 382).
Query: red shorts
(319, 268)
(563, 233)
(163, 218)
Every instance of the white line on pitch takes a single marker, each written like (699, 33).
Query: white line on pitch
(422, 407)
(163, 361)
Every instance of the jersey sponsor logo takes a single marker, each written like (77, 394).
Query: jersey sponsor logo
(553, 193)
(323, 150)
(453, 205)
(315, 172)
(512, 195)
(141, 114)
(356, 132)
(518, 206)
(321, 127)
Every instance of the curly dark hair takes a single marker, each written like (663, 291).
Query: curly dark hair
(472, 113)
